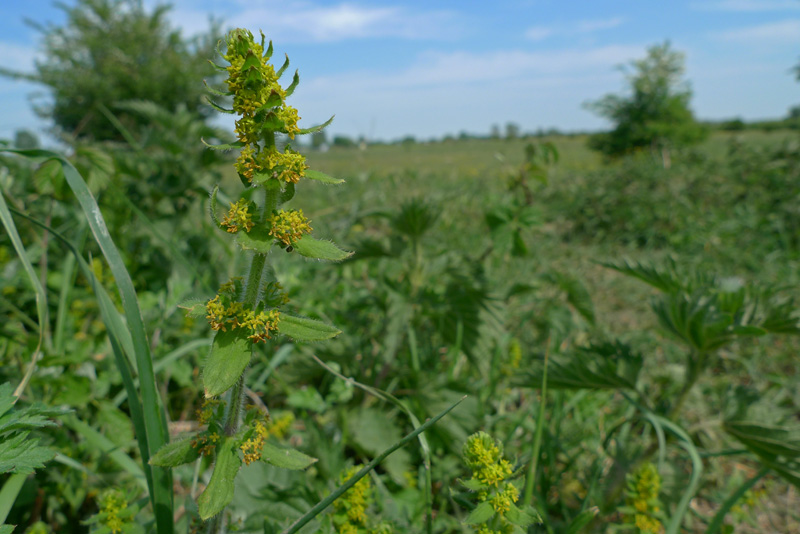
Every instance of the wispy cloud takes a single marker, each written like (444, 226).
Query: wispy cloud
(17, 57)
(305, 21)
(580, 27)
(746, 5)
(785, 31)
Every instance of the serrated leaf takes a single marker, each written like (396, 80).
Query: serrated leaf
(20, 454)
(319, 250)
(257, 239)
(175, 454)
(194, 307)
(523, 517)
(285, 458)
(315, 129)
(7, 398)
(322, 177)
(473, 484)
(229, 356)
(219, 492)
(481, 514)
(302, 329)
(228, 146)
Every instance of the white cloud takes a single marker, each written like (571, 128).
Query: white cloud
(17, 57)
(538, 33)
(448, 92)
(345, 21)
(580, 27)
(786, 31)
(304, 21)
(747, 5)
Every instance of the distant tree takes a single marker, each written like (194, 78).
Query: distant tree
(655, 115)
(25, 139)
(343, 141)
(111, 51)
(495, 131)
(512, 130)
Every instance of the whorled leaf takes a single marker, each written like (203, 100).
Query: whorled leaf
(303, 329)
(219, 492)
(229, 356)
(175, 454)
(285, 458)
(320, 250)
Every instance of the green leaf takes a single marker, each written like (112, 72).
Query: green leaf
(194, 307)
(322, 177)
(218, 107)
(315, 129)
(219, 492)
(229, 146)
(283, 67)
(321, 250)
(473, 484)
(582, 519)
(257, 239)
(481, 514)
(293, 85)
(175, 454)
(6, 529)
(285, 458)
(215, 91)
(229, 356)
(21, 454)
(523, 517)
(303, 329)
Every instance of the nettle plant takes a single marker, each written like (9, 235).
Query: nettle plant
(249, 310)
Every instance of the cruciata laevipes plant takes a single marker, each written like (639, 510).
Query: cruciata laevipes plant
(249, 310)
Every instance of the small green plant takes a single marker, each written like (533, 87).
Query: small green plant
(250, 310)
(496, 511)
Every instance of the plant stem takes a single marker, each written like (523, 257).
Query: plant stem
(537, 439)
(252, 291)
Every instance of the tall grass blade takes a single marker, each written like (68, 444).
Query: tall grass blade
(41, 296)
(155, 423)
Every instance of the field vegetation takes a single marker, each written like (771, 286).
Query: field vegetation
(510, 335)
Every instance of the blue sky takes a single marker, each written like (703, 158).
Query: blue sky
(393, 68)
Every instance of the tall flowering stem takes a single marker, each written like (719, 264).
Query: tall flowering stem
(250, 310)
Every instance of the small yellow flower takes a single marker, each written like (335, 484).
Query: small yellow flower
(288, 226)
(288, 115)
(238, 217)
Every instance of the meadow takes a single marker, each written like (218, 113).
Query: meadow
(509, 335)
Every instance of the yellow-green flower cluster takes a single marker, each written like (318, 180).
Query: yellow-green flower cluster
(490, 472)
(205, 443)
(288, 226)
(280, 425)
(484, 457)
(260, 101)
(224, 311)
(642, 499)
(238, 217)
(352, 506)
(114, 513)
(252, 447)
